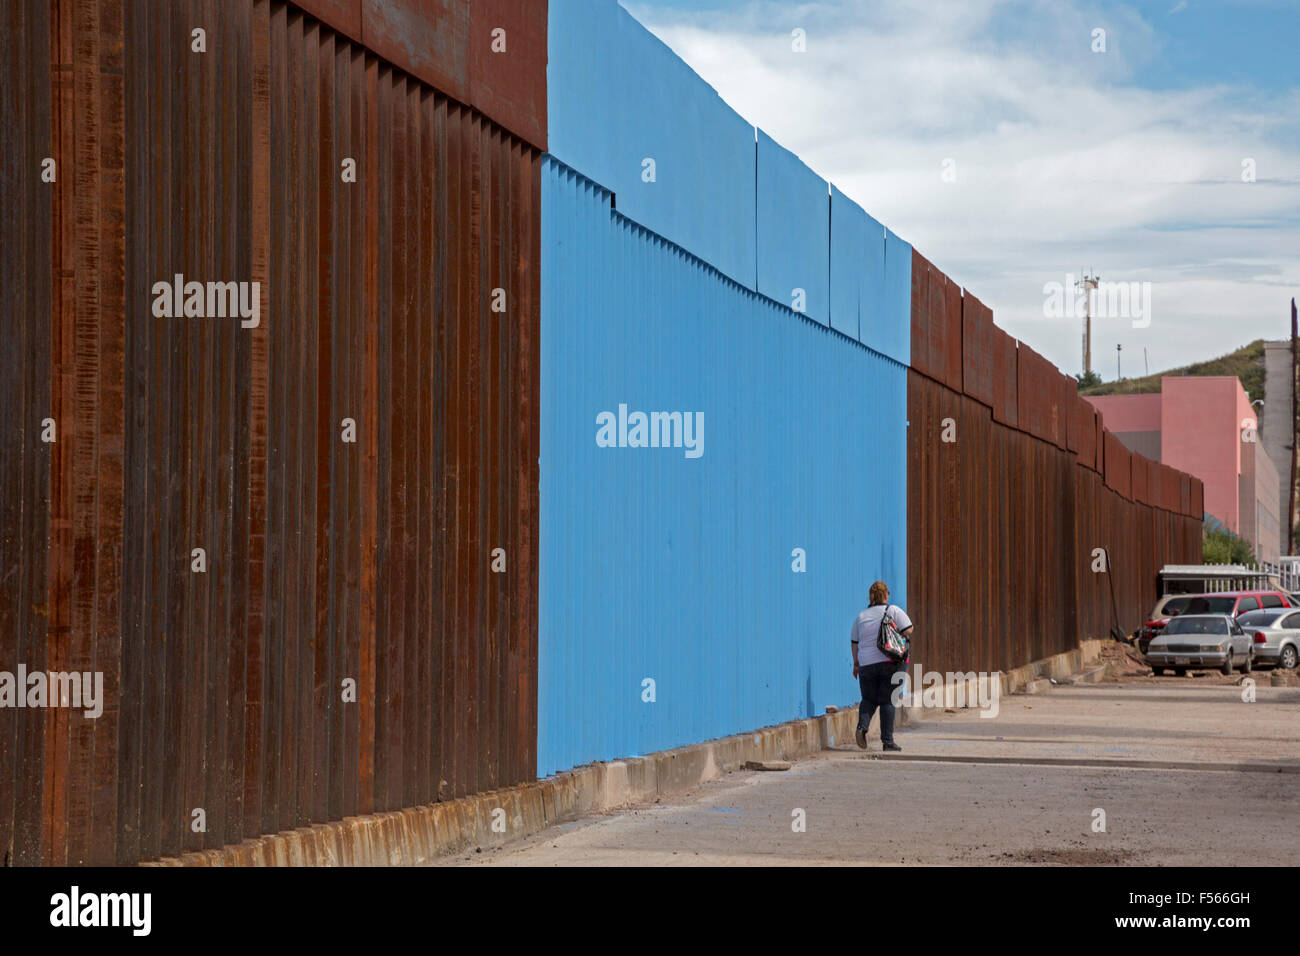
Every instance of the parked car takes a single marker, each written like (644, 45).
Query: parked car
(1219, 602)
(1200, 642)
(1275, 632)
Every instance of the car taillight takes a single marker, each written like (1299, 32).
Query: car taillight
(1259, 638)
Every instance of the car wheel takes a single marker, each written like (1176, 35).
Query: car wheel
(1287, 659)
(1227, 663)
(1157, 671)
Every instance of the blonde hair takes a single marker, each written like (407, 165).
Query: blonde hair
(879, 593)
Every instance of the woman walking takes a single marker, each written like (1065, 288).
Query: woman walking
(873, 668)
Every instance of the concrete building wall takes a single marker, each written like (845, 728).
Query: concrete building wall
(1258, 498)
(1200, 434)
(1130, 413)
(1134, 420)
(1276, 422)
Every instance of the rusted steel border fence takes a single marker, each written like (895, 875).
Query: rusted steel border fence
(276, 537)
(1015, 494)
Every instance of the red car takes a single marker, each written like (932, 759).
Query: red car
(1220, 602)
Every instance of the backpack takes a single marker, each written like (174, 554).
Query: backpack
(891, 643)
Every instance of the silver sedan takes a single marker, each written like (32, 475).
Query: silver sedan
(1275, 633)
(1201, 642)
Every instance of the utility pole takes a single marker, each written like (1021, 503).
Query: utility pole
(1118, 349)
(1088, 284)
(1145, 364)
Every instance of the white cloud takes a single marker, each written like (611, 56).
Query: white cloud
(1062, 162)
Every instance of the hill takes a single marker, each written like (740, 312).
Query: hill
(1247, 364)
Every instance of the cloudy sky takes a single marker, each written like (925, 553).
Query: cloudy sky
(1128, 162)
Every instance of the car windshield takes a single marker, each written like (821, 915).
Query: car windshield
(1198, 604)
(1267, 616)
(1197, 625)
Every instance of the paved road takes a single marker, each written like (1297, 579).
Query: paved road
(1186, 775)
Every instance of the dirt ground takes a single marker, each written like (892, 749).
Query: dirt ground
(1181, 771)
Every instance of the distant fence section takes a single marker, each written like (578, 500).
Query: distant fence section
(1029, 525)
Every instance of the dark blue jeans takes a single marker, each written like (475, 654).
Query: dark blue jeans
(877, 686)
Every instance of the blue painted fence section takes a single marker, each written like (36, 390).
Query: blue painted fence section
(618, 96)
(857, 266)
(889, 329)
(793, 231)
(656, 565)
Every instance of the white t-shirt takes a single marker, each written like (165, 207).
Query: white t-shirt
(867, 627)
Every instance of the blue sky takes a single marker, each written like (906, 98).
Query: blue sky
(1127, 161)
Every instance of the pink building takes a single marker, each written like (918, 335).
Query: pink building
(1207, 427)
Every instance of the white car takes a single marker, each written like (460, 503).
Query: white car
(1275, 634)
(1201, 642)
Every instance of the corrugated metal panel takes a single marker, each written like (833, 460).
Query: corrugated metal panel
(890, 329)
(977, 349)
(857, 253)
(82, 552)
(1138, 483)
(871, 276)
(326, 559)
(1005, 379)
(509, 85)
(1198, 498)
(936, 324)
(793, 223)
(1101, 444)
(679, 570)
(952, 356)
(1119, 468)
(1170, 488)
(1063, 406)
(937, 320)
(1085, 430)
(617, 96)
(27, 279)
(1031, 392)
(1070, 413)
(1039, 387)
(920, 315)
